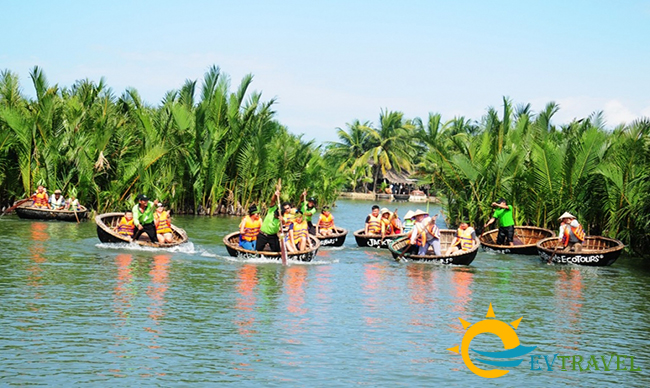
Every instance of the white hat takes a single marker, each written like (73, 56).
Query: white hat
(566, 215)
(419, 213)
(384, 210)
(408, 215)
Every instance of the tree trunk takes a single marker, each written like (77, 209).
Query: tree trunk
(374, 182)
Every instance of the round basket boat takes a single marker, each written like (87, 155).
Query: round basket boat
(597, 251)
(231, 242)
(26, 211)
(107, 222)
(335, 239)
(446, 237)
(374, 240)
(526, 239)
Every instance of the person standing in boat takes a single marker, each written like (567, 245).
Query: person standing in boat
(57, 202)
(425, 233)
(163, 223)
(143, 218)
(40, 198)
(325, 225)
(465, 239)
(571, 233)
(249, 229)
(270, 228)
(373, 222)
(503, 214)
(308, 209)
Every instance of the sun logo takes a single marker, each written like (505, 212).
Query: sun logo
(502, 330)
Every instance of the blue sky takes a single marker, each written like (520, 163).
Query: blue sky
(331, 62)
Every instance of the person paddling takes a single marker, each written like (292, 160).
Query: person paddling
(503, 214)
(425, 233)
(57, 201)
(143, 218)
(270, 228)
(249, 229)
(571, 233)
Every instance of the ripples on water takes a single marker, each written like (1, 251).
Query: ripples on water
(78, 312)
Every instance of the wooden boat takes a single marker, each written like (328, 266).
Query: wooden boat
(25, 210)
(401, 197)
(596, 251)
(526, 238)
(232, 245)
(336, 239)
(384, 197)
(107, 222)
(446, 237)
(374, 240)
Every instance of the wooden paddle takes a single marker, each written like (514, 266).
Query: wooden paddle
(401, 255)
(15, 206)
(283, 248)
(550, 259)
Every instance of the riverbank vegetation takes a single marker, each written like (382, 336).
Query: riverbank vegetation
(601, 175)
(202, 150)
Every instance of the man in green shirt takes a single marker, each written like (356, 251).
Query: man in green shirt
(270, 227)
(503, 213)
(143, 218)
(308, 210)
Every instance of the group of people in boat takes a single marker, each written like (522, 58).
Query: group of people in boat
(424, 235)
(41, 200)
(148, 217)
(284, 221)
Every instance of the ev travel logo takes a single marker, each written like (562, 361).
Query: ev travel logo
(513, 348)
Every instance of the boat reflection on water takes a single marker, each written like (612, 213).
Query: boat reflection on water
(39, 236)
(246, 283)
(423, 290)
(123, 290)
(568, 304)
(461, 279)
(156, 290)
(374, 275)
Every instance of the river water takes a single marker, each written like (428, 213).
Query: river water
(76, 312)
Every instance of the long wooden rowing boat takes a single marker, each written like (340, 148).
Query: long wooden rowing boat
(335, 239)
(27, 211)
(597, 251)
(107, 222)
(446, 237)
(374, 240)
(526, 238)
(231, 242)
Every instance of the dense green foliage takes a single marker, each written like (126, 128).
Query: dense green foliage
(601, 176)
(205, 155)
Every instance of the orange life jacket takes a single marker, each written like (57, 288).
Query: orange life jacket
(465, 238)
(163, 224)
(577, 231)
(125, 227)
(300, 230)
(432, 229)
(40, 199)
(374, 224)
(387, 226)
(396, 225)
(326, 222)
(251, 228)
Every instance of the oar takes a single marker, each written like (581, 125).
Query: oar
(15, 206)
(401, 255)
(283, 248)
(550, 260)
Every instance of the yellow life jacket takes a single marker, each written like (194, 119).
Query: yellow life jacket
(374, 225)
(300, 230)
(577, 231)
(326, 222)
(251, 228)
(125, 227)
(163, 225)
(41, 199)
(465, 238)
(386, 226)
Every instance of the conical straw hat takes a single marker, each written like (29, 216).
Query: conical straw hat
(566, 215)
